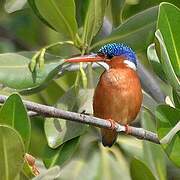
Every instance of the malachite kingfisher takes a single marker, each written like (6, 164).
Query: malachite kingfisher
(118, 95)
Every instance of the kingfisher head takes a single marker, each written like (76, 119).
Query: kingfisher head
(108, 53)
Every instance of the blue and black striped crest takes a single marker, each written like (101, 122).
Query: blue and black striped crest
(118, 49)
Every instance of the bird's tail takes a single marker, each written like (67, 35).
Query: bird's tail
(108, 137)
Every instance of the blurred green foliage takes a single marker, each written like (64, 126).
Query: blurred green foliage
(41, 34)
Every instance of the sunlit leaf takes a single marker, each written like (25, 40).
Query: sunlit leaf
(167, 117)
(58, 14)
(14, 114)
(136, 6)
(137, 31)
(16, 74)
(14, 5)
(59, 131)
(153, 58)
(93, 20)
(165, 61)
(11, 152)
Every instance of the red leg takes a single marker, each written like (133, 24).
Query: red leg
(127, 129)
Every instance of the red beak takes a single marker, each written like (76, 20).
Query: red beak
(86, 58)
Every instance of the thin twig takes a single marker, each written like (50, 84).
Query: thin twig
(50, 111)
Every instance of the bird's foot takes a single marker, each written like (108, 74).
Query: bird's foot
(127, 129)
(113, 124)
(84, 112)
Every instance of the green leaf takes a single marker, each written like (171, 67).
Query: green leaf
(59, 131)
(116, 11)
(165, 61)
(61, 154)
(137, 31)
(14, 114)
(167, 117)
(153, 154)
(140, 171)
(50, 156)
(59, 14)
(176, 99)
(154, 60)
(148, 102)
(134, 7)
(16, 74)
(11, 153)
(98, 163)
(169, 17)
(33, 6)
(14, 5)
(93, 20)
(131, 146)
(38, 137)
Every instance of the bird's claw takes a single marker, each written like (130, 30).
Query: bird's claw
(127, 129)
(113, 124)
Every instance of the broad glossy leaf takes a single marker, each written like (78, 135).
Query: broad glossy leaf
(61, 154)
(98, 164)
(165, 61)
(57, 87)
(59, 14)
(14, 114)
(137, 31)
(140, 171)
(153, 58)
(50, 156)
(176, 99)
(11, 152)
(148, 102)
(14, 5)
(38, 137)
(134, 7)
(167, 117)
(81, 10)
(169, 17)
(52, 93)
(93, 20)
(153, 153)
(59, 131)
(33, 6)
(14, 72)
(116, 11)
(131, 146)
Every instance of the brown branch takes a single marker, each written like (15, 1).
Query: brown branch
(49, 111)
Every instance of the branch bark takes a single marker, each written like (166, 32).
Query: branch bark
(49, 111)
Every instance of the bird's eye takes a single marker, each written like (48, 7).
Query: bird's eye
(101, 55)
(108, 56)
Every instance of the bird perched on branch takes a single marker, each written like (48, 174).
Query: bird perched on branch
(118, 95)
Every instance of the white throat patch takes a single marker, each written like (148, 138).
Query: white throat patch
(130, 64)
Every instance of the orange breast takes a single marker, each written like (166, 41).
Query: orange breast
(118, 95)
